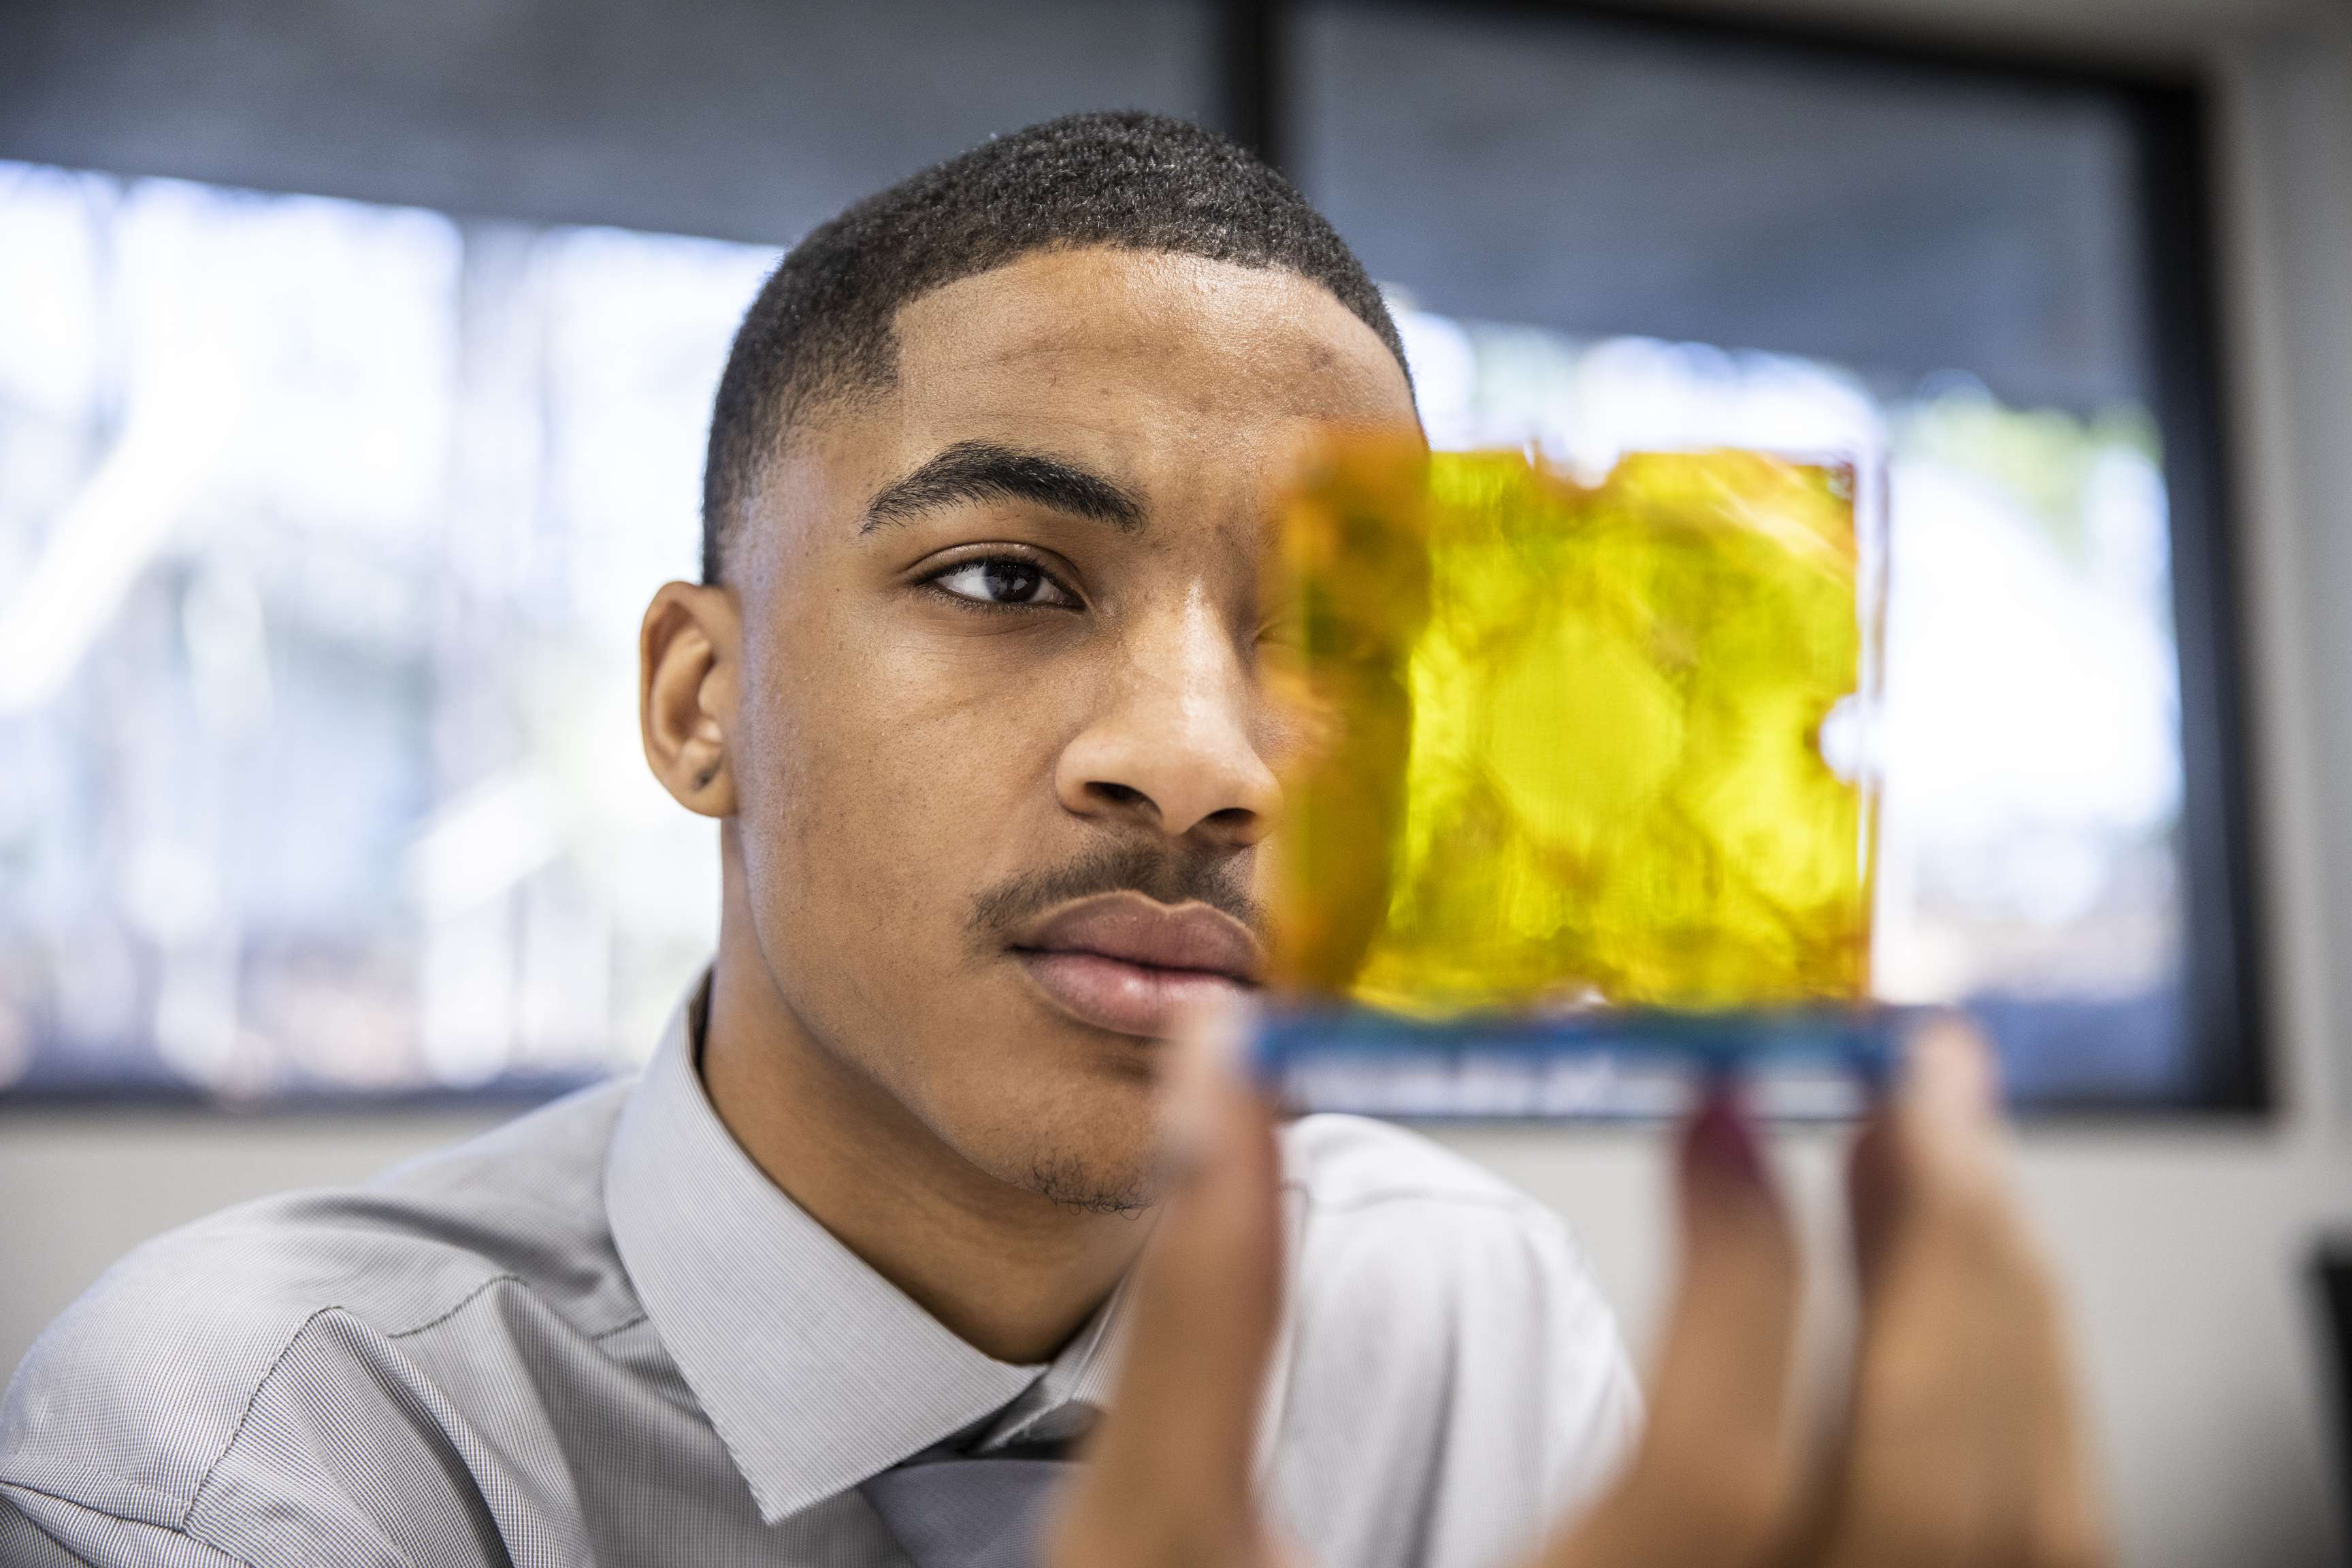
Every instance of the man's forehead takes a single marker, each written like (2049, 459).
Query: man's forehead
(1097, 325)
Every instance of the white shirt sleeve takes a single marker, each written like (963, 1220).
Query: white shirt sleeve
(1452, 1386)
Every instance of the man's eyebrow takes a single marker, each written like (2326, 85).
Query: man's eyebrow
(983, 470)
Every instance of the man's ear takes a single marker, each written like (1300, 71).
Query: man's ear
(689, 657)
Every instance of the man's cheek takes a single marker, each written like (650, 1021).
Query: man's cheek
(890, 818)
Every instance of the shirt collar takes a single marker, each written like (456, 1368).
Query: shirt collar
(815, 1371)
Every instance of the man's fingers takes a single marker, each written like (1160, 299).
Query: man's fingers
(1965, 1441)
(1729, 1340)
(1715, 1482)
(1937, 1142)
(1167, 1478)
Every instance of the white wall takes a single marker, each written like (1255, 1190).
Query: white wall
(2181, 1246)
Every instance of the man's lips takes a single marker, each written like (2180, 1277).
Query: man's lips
(1132, 965)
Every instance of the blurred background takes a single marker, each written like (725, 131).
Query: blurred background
(355, 367)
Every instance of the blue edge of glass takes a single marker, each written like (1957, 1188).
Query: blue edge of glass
(1861, 1043)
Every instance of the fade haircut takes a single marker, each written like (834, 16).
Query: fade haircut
(821, 328)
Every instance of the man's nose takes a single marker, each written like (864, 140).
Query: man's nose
(1171, 746)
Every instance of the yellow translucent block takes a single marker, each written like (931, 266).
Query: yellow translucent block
(1556, 746)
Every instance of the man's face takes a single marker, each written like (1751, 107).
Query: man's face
(1001, 756)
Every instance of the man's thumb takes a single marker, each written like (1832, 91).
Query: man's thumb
(1168, 1477)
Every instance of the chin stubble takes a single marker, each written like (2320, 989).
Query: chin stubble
(1072, 1183)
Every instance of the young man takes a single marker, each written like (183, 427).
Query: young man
(969, 686)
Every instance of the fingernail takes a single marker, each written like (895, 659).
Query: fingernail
(1202, 1066)
(1952, 1067)
(1722, 1139)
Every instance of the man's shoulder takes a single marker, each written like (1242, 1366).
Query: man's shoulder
(1448, 1341)
(127, 1400)
(1399, 1230)
(1343, 1164)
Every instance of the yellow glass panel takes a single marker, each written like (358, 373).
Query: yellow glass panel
(1556, 745)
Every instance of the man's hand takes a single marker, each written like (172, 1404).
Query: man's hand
(1962, 1445)
(1966, 1444)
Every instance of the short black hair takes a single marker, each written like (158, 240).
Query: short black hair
(822, 326)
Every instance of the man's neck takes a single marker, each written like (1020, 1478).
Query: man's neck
(1011, 1272)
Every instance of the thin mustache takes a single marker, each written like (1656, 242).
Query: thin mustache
(1170, 879)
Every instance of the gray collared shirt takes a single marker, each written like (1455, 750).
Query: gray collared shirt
(600, 1336)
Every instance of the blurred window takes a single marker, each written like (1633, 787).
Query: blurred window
(1606, 236)
(325, 528)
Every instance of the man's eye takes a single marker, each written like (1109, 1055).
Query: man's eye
(1002, 579)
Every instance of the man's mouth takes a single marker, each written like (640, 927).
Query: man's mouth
(1132, 965)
